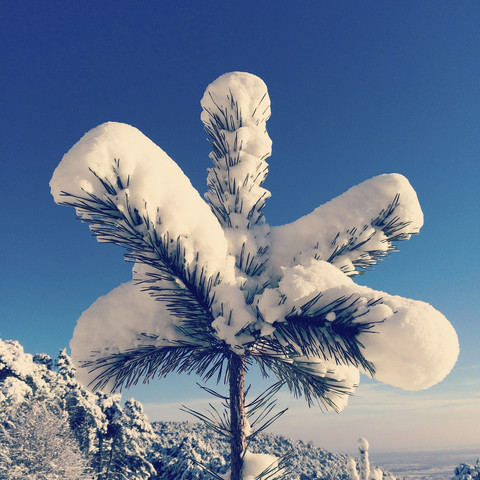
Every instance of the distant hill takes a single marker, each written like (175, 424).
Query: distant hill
(177, 445)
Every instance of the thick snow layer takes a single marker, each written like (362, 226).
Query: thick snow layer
(14, 391)
(13, 358)
(114, 323)
(413, 347)
(148, 181)
(347, 221)
(363, 445)
(249, 91)
(153, 184)
(236, 107)
(22, 374)
(352, 469)
(256, 463)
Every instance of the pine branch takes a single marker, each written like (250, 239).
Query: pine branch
(146, 362)
(301, 381)
(260, 411)
(215, 422)
(206, 469)
(309, 333)
(278, 470)
(386, 222)
(235, 194)
(186, 290)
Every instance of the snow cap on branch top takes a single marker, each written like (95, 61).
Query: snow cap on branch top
(363, 445)
(250, 104)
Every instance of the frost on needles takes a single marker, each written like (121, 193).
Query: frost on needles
(216, 289)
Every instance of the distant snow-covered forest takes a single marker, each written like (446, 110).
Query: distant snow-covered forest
(51, 427)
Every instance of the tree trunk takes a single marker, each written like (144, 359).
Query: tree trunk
(237, 414)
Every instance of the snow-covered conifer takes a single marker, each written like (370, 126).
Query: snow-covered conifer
(365, 471)
(113, 440)
(467, 472)
(217, 289)
(65, 366)
(22, 376)
(364, 463)
(139, 437)
(122, 446)
(43, 359)
(352, 469)
(36, 443)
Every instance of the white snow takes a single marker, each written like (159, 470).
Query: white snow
(248, 92)
(14, 391)
(23, 374)
(236, 108)
(313, 235)
(302, 282)
(363, 445)
(352, 469)
(14, 359)
(254, 464)
(157, 188)
(413, 347)
(114, 323)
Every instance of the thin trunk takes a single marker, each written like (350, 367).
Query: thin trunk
(237, 414)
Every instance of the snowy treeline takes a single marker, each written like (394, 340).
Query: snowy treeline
(179, 445)
(53, 428)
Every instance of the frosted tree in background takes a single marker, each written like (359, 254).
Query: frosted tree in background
(365, 471)
(43, 408)
(216, 289)
(36, 443)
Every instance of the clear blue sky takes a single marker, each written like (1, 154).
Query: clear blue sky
(357, 89)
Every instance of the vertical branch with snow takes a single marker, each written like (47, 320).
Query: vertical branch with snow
(364, 460)
(236, 108)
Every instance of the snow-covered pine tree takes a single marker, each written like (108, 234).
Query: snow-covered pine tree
(467, 472)
(216, 289)
(365, 470)
(122, 446)
(114, 440)
(23, 376)
(139, 437)
(87, 420)
(36, 443)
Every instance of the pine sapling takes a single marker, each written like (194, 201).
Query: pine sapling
(216, 289)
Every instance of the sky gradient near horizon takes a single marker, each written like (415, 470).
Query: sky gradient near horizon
(357, 89)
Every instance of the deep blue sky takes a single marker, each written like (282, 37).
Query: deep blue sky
(357, 89)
